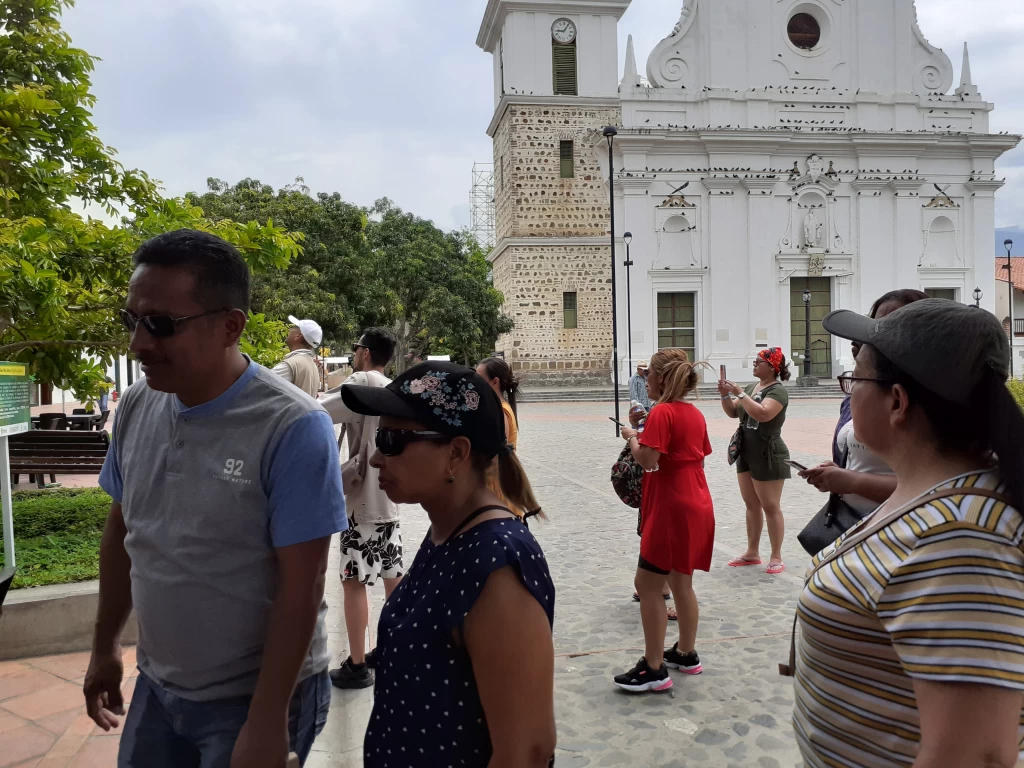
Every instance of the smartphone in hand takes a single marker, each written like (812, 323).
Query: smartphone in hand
(721, 373)
(795, 465)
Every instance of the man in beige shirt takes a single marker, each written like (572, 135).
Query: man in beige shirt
(372, 547)
(299, 366)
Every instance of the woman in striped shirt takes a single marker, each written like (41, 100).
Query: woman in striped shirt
(911, 650)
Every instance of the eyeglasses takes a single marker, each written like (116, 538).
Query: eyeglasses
(391, 442)
(847, 380)
(160, 326)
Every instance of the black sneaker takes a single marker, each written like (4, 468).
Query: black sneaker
(371, 659)
(684, 662)
(642, 678)
(350, 675)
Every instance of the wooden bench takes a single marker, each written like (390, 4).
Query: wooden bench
(41, 452)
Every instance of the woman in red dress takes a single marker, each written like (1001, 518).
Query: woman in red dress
(678, 520)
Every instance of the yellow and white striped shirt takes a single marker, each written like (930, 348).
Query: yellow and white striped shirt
(936, 595)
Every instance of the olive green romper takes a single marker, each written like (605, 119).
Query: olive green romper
(763, 452)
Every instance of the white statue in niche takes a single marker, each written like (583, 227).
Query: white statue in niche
(812, 231)
(815, 167)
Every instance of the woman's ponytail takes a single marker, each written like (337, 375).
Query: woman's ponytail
(515, 486)
(498, 369)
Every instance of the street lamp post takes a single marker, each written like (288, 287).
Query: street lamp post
(1008, 244)
(807, 332)
(610, 132)
(627, 238)
(977, 297)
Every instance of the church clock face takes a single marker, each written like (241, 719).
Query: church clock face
(563, 31)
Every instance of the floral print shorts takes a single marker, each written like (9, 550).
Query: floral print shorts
(370, 551)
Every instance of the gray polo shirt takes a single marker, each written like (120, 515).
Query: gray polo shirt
(208, 494)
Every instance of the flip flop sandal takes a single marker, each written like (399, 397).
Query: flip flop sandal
(775, 568)
(672, 615)
(636, 597)
(739, 562)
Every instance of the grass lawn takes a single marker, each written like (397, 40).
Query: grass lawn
(57, 535)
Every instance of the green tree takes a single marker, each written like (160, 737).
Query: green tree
(64, 274)
(433, 287)
(326, 279)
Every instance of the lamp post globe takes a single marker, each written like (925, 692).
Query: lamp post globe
(977, 297)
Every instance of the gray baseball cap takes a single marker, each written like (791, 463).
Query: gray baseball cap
(943, 345)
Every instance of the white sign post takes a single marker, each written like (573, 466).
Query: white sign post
(15, 417)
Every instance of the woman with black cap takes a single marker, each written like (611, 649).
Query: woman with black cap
(911, 650)
(465, 660)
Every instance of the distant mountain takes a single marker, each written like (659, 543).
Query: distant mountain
(1010, 233)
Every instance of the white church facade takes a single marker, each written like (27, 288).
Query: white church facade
(774, 151)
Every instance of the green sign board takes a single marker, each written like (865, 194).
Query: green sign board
(15, 397)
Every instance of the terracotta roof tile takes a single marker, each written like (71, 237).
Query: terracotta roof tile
(1016, 267)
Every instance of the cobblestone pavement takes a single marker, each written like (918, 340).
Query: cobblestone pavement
(738, 712)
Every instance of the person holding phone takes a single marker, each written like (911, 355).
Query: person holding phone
(761, 467)
(677, 530)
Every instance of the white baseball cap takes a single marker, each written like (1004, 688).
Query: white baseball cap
(310, 330)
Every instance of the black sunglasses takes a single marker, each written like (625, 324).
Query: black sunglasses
(847, 380)
(391, 442)
(160, 326)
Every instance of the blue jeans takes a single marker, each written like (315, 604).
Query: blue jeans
(166, 731)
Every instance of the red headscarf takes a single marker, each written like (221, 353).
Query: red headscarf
(773, 357)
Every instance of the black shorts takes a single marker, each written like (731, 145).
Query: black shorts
(646, 566)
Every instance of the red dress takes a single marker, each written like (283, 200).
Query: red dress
(677, 531)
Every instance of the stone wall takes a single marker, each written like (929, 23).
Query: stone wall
(533, 201)
(533, 279)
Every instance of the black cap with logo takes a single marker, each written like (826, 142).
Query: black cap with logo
(943, 345)
(445, 397)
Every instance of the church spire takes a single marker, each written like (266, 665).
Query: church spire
(630, 77)
(967, 89)
(965, 71)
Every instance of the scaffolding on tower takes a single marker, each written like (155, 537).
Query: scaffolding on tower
(481, 204)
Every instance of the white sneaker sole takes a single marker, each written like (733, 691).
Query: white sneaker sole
(654, 685)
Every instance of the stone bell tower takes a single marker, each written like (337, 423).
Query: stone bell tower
(555, 87)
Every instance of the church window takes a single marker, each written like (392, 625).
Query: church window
(941, 293)
(565, 154)
(563, 59)
(677, 322)
(804, 31)
(569, 309)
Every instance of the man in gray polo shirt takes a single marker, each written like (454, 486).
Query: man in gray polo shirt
(227, 490)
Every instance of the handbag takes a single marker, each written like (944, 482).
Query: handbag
(735, 445)
(627, 478)
(828, 524)
(789, 669)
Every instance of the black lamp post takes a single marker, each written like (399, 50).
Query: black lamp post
(977, 297)
(1008, 244)
(627, 238)
(610, 132)
(807, 332)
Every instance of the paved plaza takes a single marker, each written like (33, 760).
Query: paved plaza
(735, 714)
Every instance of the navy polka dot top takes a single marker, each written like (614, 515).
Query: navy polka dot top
(426, 709)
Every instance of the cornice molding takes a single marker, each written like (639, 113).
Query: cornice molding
(544, 242)
(517, 100)
(497, 10)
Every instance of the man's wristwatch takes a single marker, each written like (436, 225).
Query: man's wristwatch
(741, 395)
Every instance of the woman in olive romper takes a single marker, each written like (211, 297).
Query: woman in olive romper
(761, 468)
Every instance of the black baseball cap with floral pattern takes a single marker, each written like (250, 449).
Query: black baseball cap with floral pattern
(445, 397)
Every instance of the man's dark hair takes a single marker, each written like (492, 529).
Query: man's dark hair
(221, 274)
(381, 343)
(903, 296)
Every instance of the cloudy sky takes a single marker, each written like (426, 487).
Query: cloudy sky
(376, 98)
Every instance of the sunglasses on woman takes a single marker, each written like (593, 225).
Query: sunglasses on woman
(160, 326)
(391, 442)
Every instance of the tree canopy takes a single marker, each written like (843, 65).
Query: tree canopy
(64, 274)
(366, 267)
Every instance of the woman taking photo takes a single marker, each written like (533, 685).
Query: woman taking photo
(911, 650)
(761, 468)
(464, 660)
(677, 530)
